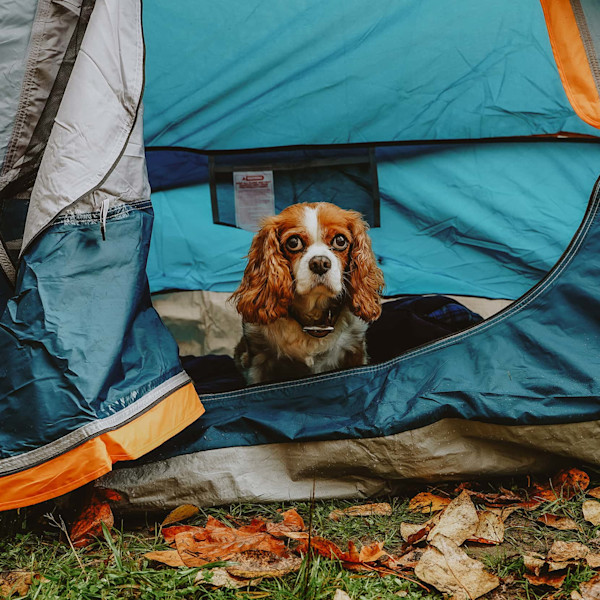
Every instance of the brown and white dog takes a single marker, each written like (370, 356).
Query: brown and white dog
(309, 290)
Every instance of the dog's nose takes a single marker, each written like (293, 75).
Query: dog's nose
(319, 265)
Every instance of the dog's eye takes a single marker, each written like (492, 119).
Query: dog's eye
(339, 242)
(294, 244)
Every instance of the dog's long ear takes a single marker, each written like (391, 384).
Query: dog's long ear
(365, 277)
(266, 290)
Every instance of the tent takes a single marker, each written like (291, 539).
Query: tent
(467, 137)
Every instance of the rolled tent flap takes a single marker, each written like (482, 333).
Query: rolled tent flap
(572, 28)
(90, 375)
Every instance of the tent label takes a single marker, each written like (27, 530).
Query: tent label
(254, 198)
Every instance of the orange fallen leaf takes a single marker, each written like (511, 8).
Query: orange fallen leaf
(181, 513)
(551, 579)
(169, 533)
(219, 542)
(364, 510)
(167, 557)
(321, 546)
(89, 522)
(557, 522)
(292, 523)
(426, 502)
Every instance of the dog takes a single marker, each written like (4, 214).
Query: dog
(309, 290)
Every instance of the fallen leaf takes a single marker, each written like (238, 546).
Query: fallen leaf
(364, 510)
(410, 531)
(554, 580)
(447, 567)
(593, 560)
(408, 560)
(489, 530)
(169, 533)
(219, 577)
(88, 524)
(292, 523)
(181, 513)
(167, 557)
(534, 562)
(15, 582)
(341, 595)
(426, 502)
(458, 521)
(564, 485)
(561, 552)
(591, 511)
(594, 492)
(590, 590)
(557, 522)
(371, 552)
(255, 563)
(503, 512)
(570, 482)
(321, 546)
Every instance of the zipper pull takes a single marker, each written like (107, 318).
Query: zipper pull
(103, 215)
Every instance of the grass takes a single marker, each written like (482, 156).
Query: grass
(114, 567)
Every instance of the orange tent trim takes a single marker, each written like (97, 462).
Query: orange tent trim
(95, 457)
(571, 60)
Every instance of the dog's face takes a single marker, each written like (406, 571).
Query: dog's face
(316, 240)
(310, 248)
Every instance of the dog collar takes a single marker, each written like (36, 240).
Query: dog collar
(323, 327)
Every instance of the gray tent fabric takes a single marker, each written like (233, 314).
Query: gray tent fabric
(105, 87)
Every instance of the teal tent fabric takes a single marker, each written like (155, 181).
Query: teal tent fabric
(79, 340)
(534, 363)
(473, 219)
(258, 75)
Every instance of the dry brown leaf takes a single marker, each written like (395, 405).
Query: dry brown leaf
(181, 513)
(15, 582)
(409, 530)
(447, 567)
(364, 510)
(219, 577)
(459, 520)
(590, 590)
(534, 562)
(166, 557)
(557, 522)
(341, 595)
(426, 502)
(503, 512)
(593, 560)
(591, 511)
(594, 492)
(561, 552)
(88, 524)
(490, 528)
(254, 564)
(408, 560)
